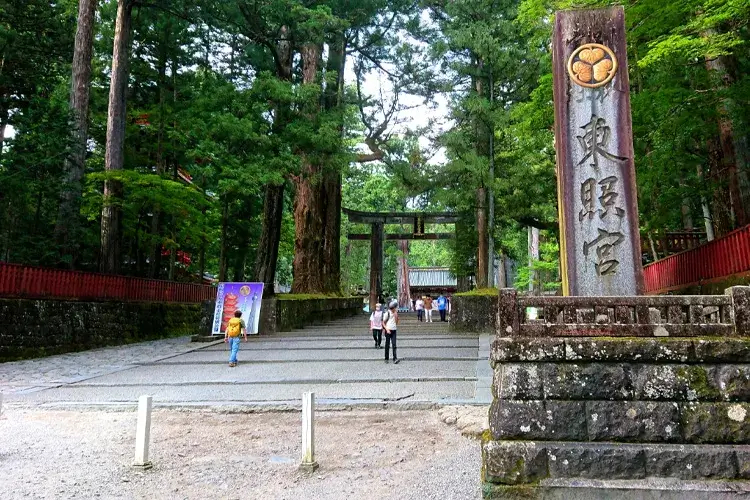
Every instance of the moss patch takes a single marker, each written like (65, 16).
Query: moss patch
(308, 296)
(516, 492)
(483, 292)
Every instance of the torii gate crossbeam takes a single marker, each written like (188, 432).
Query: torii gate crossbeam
(377, 221)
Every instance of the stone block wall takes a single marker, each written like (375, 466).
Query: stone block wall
(568, 409)
(473, 313)
(292, 314)
(283, 315)
(33, 328)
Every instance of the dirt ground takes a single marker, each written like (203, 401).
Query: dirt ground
(375, 454)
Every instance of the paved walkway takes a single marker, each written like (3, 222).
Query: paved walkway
(337, 361)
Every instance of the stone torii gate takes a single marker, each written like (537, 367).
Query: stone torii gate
(378, 221)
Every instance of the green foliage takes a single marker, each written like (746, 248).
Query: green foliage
(307, 296)
(541, 274)
(479, 292)
(211, 122)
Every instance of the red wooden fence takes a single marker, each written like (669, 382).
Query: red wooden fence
(42, 283)
(722, 257)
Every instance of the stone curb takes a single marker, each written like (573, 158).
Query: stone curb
(284, 361)
(281, 381)
(524, 462)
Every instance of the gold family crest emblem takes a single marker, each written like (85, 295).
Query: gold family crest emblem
(592, 65)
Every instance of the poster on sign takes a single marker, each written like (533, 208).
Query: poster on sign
(231, 297)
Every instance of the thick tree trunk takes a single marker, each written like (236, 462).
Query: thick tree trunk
(308, 204)
(733, 160)
(273, 203)
(173, 254)
(534, 278)
(156, 249)
(331, 186)
(687, 217)
(4, 119)
(268, 246)
(331, 204)
(722, 200)
(224, 241)
(68, 218)
(308, 232)
(502, 276)
(491, 191)
(482, 247)
(114, 157)
(483, 150)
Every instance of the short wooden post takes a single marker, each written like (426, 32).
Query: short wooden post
(143, 433)
(308, 433)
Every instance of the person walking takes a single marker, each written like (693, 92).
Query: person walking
(442, 304)
(232, 336)
(428, 308)
(419, 305)
(390, 325)
(376, 325)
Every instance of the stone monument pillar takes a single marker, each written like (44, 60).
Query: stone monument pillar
(598, 208)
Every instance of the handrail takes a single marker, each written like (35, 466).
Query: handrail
(44, 283)
(722, 257)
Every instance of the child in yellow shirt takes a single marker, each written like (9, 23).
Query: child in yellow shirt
(232, 336)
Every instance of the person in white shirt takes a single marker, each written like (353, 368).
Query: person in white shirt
(390, 324)
(420, 308)
(376, 325)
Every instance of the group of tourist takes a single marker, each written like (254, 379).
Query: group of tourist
(425, 305)
(386, 322)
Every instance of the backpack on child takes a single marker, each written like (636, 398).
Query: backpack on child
(234, 328)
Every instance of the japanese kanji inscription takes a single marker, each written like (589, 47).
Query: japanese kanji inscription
(600, 243)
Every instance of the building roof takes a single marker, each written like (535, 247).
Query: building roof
(431, 277)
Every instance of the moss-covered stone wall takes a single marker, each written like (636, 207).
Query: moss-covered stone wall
(294, 313)
(474, 311)
(616, 408)
(34, 328)
(290, 312)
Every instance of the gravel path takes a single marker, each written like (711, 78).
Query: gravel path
(363, 454)
(19, 376)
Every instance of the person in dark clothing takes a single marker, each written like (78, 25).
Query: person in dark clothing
(390, 325)
(442, 303)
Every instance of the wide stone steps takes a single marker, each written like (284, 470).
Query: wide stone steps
(336, 360)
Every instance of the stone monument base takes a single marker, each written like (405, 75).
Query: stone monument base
(644, 489)
(605, 414)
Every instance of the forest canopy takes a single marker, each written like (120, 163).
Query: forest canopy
(187, 139)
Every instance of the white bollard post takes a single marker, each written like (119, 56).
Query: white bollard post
(308, 433)
(1, 404)
(143, 433)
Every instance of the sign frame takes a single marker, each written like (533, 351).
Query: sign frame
(244, 296)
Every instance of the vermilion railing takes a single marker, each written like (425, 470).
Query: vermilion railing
(722, 257)
(42, 283)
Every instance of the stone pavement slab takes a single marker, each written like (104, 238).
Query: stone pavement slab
(269, 372)
(351, 342)
(72, 367)
(250, 355)
(436, 366)
(222, 393)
